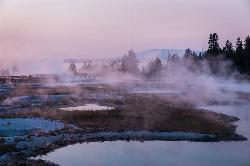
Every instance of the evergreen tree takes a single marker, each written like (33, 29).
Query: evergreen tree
(212, 54)
(115, 65)
(173, 58)
(72, 68)
(130, 63)
(124, 63)
(188, 53)
(247, 53)
(154, 67)
(158, 64)
(213, 45)
(133, 62)
(239, 56)
(229, 51)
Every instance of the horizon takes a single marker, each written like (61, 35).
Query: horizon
(97, 29)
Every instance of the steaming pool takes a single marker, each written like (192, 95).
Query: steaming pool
(163, 153)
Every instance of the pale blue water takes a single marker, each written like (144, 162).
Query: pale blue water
(162, 153)
(10, 127)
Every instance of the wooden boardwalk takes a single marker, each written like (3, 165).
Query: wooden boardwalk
(44, 78)
(26, 78)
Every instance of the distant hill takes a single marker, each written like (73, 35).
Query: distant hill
(144, 57)
(161, 53)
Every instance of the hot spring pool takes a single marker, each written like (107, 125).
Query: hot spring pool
(10, 127)
(162, 153)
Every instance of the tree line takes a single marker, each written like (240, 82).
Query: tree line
(220, 60)
(228, 58)
(238, 55)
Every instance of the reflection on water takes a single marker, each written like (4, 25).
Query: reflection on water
(163, 153)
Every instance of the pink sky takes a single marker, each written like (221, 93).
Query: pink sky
(107, 28)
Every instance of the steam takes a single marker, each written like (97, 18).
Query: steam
(198, 85)
(178, 81)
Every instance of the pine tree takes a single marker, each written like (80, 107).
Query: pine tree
(158, 64)
(123, 64)
(154, 67)
(228, 50)
(239, 56)
(213, 45)
(72, 68)
(133, 62)
(212, 54)
(188, 53)
(130, 63)
(247, 53)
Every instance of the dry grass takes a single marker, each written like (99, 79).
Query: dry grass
(134, 112)
(141, 114)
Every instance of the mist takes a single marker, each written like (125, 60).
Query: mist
(177, 82)
(181, 80)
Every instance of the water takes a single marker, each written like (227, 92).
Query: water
(88, 107)
(163, 153)
(17, 103)
(31, 100)
(10, 127)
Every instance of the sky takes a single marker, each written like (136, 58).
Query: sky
(107, 28)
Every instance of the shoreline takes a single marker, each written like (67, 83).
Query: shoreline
(71, 135)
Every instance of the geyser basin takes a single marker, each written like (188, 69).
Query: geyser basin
(10, 127)
(88, 107)
(161, 152)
